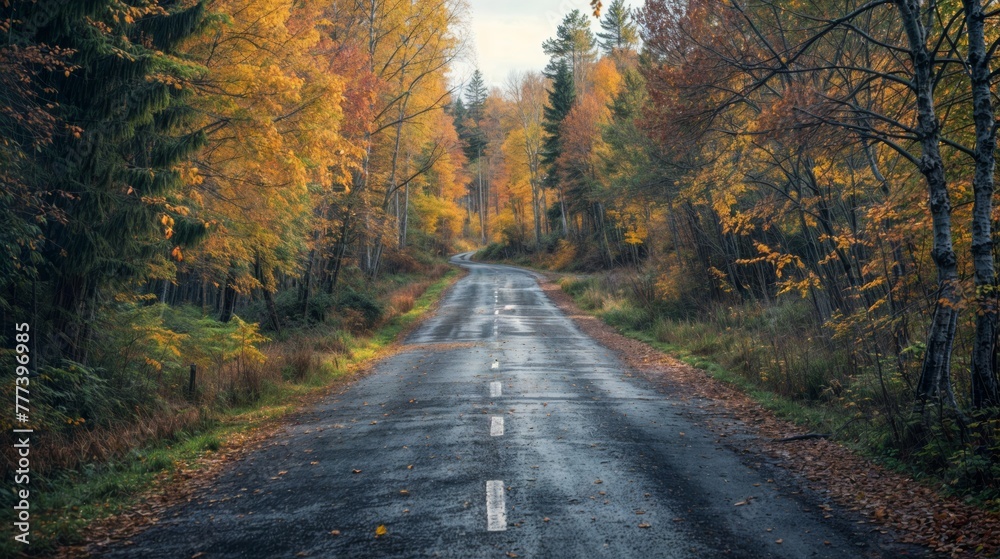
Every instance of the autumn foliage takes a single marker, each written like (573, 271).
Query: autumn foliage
(186, 182)
(810, 183)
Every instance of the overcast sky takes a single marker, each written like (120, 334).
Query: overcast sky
(508, 35)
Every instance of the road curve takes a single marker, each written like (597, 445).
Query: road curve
(501, 430)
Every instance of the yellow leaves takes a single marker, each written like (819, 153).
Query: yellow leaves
(634, 237)
(381, 531)
(801, 286)
(778, 260)
(176, 254)
(606, 79)
(191, 175)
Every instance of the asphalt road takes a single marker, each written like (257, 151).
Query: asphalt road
(499, 431)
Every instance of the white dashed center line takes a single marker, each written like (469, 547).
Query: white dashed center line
(496, 364)
(496, 426)
(496, 510)
(495, 389)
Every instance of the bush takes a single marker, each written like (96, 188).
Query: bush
(362, 305)
(400, 262)
(494, 251)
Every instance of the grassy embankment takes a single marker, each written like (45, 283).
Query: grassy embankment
(240, 397)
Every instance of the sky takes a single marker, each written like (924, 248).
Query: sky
(508, 35)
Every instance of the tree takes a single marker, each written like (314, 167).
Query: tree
(619, 32)
(28, 123)
(272, 112)
(476, 143)
(406, 49)
(475, 95)
(561, 99)
(984, 385)
(573, 44)
(116, 178)
(528, 95)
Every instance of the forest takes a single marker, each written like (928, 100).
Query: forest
(229, 190)
(798, 191)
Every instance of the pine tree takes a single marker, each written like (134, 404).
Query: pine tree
(475, 95)
(574, 43)
(116, 177)
(620, 32)
(561, 98)
(470, 131)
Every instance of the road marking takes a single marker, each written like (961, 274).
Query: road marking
(496, 364)
(496, 426)
(495, 389)
(496, 312)
(496, 511)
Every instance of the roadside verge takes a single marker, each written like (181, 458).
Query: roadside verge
(195, 463)
(894, 503)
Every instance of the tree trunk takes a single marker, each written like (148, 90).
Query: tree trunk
(984, 382)
(935, 374)
(536, 209)
(229, 299)
(406, 215)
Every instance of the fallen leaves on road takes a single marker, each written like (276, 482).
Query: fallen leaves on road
(355, 471)
(381, 531)
(644, 525)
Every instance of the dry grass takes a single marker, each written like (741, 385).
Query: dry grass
(402, 300)
(52, 451)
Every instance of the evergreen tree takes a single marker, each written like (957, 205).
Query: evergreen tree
(620, 32)
(561, 98)
(115, 178)
(574, 43)
(475, 96)
(473, 138)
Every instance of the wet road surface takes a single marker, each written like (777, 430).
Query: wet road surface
(501, 430)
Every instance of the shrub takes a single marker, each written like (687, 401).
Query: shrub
(362, 304)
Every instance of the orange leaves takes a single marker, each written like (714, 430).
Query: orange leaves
(775, 258)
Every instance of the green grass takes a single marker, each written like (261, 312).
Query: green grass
(819, 419)
(71, 501)
(698, 344)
